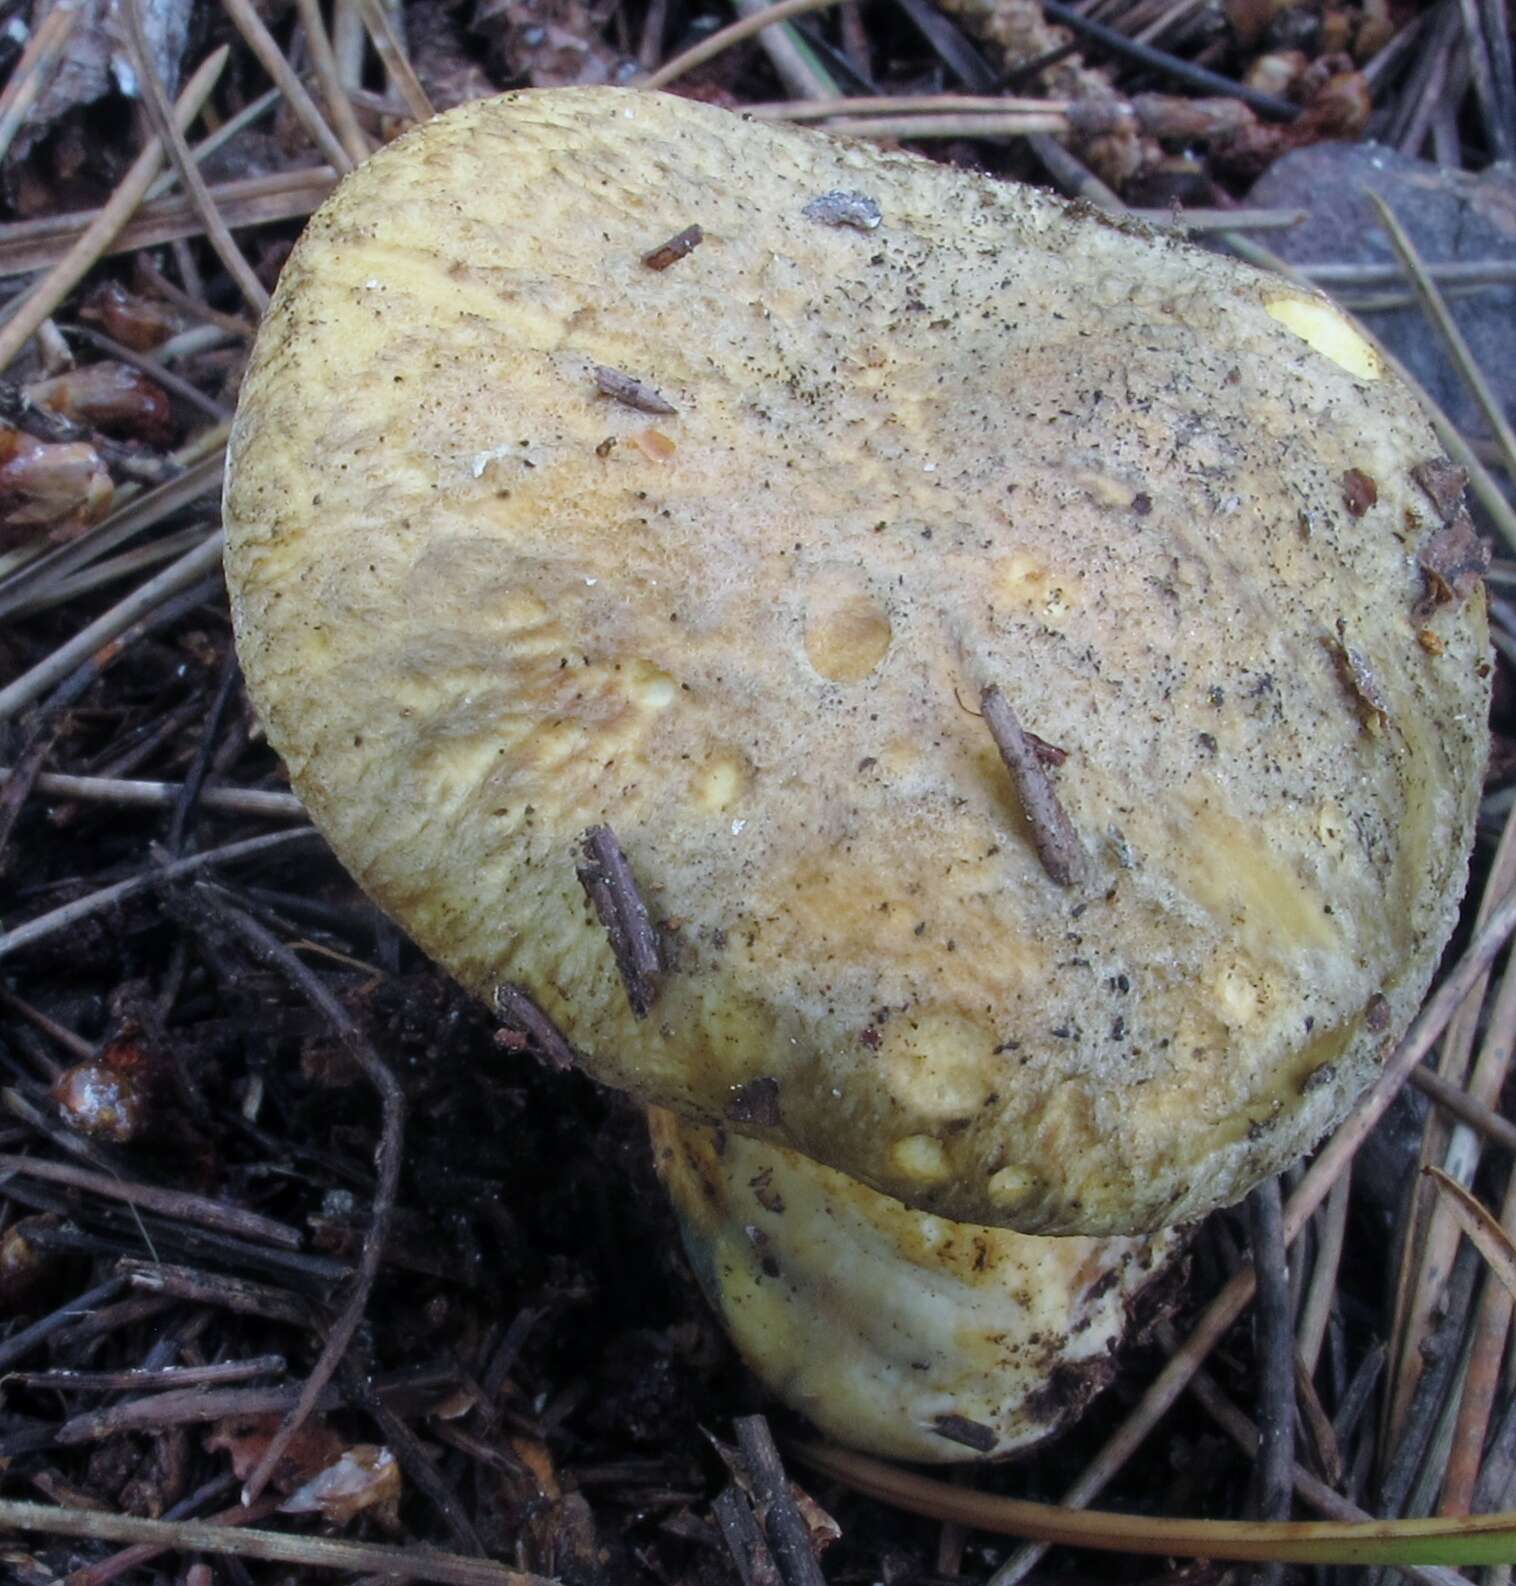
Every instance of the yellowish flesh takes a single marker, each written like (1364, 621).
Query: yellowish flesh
(895, 1331)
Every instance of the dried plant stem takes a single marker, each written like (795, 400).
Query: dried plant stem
(250, 25)
(1310, 1489)
(723, 39)
(1321, 1542)
(163, 795)
(1431, 1240)
(190, 567)
(904, 105)
(1492, 1325)
(312, 1552)
(390, 50)
(20, 1344)
(789, 1537)
(70, 914)
(338, 106)
(1275, 1352)
(178, 1204)
(1492, 1125)
(224, 133)
(266, 946)
(1440, 315)
(171, 136)
(28, 245)
(1317, 1309)
(67, 273)
(32, 72)
(1330, 1163)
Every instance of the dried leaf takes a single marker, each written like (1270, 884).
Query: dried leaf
(111, 397)
(1443, 483)
(1452, 562)
(364, 1478)
(1359, 492)
(61, 487)
(246, 1439)
(1358, 676)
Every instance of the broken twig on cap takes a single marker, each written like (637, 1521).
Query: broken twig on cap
(678, 247)
(630, 391)
(1057, 846)
(519, 1011)
(607, 880)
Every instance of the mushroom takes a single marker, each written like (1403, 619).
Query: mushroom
(893, 1330)
(863, 656)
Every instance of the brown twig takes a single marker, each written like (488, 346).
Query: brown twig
(608, 882)
(70, 914)
(268, 948)
(389, 50)
(311, 1552)
(338, 105)
(519, 1012)
(250, 25)
(1052, 834)
(178, 1204)
(21, 1343)
(165, 1378)
(788, 1535)
(67, 273)
(265, 805)
(171, 136)
(1274, 1349)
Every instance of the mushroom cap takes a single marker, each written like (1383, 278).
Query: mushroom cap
(930, 434)
(943, 1341)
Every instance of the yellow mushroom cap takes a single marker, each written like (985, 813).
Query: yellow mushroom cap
(896, 1331)
(528, 537)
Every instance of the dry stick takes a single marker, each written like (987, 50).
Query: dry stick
(34, 69)
(415, 1464)
(724, 38)
(69, 914)
(199, 1536)
(109, 1569)
(1497, 134)
(172, 138)
(19, 1345)
(1317, 1310)
(1431, 1242)
(1311, 1489)
(224, 133)
(519, 1011)
(162, 795)
(200, 766)
(1452, 1099)
(338, 106)
(177, 1204)
(267, 947)
(30, 245)
(788, 1535)
(408, 85)
(1274, 1347)
(250, 25)
(1437, 311)
(1492, 1323)
(190, 567)
(1053, 836)
(1328, 1167)
(744, 1539)
(165, 1377)
(608, 881)
(67, 273)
